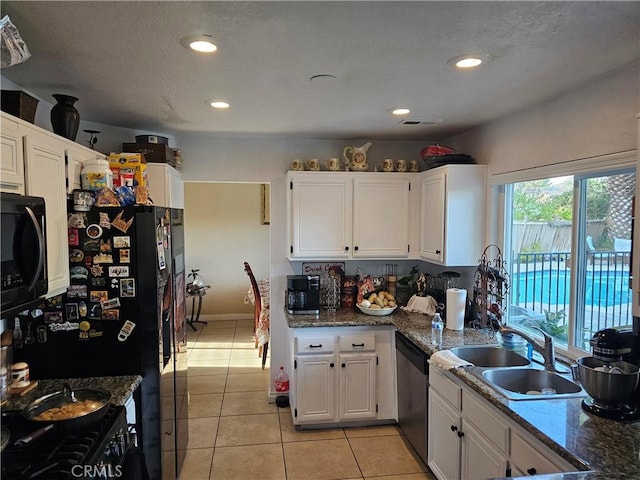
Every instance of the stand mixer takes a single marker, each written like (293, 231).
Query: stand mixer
(614, 349)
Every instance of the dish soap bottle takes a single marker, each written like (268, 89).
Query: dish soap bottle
(436, 330)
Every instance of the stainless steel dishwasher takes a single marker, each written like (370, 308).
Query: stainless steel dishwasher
(413, 388)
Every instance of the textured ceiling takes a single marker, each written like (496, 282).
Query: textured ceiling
(125, 63)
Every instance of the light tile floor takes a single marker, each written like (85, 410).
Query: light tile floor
(235, 434)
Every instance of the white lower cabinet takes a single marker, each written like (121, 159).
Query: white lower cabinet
(470, 439)
(342, 375)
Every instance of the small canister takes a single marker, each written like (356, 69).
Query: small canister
(96, 174)
(20, 374)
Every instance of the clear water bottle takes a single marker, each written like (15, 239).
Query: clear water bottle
(436, 330)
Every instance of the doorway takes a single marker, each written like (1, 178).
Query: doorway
(227, 224)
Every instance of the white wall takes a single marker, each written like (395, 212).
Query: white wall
(593, 120)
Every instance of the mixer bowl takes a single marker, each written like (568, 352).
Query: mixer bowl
(609, 387)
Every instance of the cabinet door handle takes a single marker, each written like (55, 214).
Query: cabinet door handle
(354, 345)
(460, 434)
(346, 249)
(316, 346)
(355, 248)
(344, 365)
(332, 364)
(532, 471)
(454, 428)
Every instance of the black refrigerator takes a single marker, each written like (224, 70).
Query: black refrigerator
(123, 314)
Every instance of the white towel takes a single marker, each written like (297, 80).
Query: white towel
(418, 304)
(447, 360)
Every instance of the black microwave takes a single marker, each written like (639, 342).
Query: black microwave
(24, 251)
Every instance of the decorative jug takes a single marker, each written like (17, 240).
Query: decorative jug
(356, 157)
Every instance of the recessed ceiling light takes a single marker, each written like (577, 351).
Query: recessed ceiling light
(199, 43)
(217, 104)
(400, 111)
(464, 62)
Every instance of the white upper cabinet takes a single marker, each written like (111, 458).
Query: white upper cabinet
(453, 214)
(341, 215)
(165, 185)
(45, 176)
(11, 158)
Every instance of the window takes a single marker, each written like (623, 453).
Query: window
(568, 251)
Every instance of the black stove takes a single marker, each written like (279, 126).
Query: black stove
(96, 452)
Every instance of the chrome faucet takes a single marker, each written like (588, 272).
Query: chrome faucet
(546, 350)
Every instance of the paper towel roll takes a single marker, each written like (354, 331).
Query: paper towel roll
(456, 302)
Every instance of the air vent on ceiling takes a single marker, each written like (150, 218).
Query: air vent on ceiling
(428, 121)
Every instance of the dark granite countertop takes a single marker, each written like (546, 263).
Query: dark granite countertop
(121, 388)
(610, 449)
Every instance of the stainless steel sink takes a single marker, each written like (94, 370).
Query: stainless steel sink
(531, 384)
(482, 356)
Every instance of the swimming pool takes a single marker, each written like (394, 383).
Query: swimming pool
(604, 288)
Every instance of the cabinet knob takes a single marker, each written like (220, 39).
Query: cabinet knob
(332, 365)
(454, 428)
(346, 249)
(437, 252)
(344, 365)
(532, 471)
(355, 248)
(460, 434)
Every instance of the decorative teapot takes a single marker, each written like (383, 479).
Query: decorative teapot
(356, 157)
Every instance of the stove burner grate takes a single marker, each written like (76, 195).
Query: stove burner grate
(53, 455)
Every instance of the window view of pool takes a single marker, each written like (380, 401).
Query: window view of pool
(603, 288)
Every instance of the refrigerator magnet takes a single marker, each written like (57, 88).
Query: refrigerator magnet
(95, 312)
(77, 291)
(119, 271)
(126, 330)
(104, 221)
(72, 311)
(105, 246)
(127, 287)
(121, 224)
(76, 255)
(97, 270)
(125, 255)
(41, 333)
(91, 245)
(82, 309)
(161, 261)
(103, 258)
(112, 315)
(94, 230)
(98, 296)
(77, 220)
(99, 282)
(121, 242)
(73, 237)
(109, 304)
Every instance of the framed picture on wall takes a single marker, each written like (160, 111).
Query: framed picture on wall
(265, 204)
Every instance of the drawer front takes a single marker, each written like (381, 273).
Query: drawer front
(485, 421)
(318, 344)
(528, 459)
(447, 389)
(357, 343)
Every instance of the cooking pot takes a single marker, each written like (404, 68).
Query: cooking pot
(86, 414)
(609, 383)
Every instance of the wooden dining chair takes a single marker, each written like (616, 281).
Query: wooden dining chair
(257, 310)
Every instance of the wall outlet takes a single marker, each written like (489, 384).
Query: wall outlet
(246, 300)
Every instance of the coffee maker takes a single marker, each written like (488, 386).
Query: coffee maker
(303, 294)
(612, 345)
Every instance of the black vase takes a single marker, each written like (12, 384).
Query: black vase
(65, 119)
